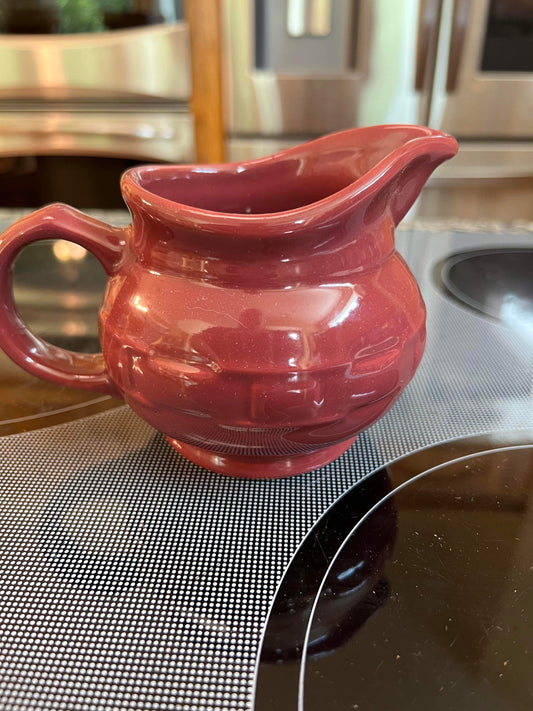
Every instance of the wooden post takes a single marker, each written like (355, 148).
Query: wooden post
(204, 20)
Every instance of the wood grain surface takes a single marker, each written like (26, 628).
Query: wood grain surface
(203, 17)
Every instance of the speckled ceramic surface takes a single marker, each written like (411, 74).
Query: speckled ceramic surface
(257, 314)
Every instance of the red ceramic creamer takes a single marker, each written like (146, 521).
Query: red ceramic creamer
(255, 313)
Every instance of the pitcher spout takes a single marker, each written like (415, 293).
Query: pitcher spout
(381, 170)
(391, 186)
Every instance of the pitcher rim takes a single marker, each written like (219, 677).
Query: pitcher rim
(440, 144)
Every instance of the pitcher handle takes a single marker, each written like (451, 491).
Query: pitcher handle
(26, 349)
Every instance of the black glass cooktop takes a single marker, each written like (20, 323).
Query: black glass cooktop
(414, 591)
(495, 282)
(397, 577)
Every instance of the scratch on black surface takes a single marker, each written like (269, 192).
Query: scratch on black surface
(317, 539)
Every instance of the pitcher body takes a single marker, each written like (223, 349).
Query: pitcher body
(257, 314)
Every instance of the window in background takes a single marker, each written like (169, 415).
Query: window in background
(509, 37)
(74, 16)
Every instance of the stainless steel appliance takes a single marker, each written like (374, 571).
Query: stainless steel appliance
(483, 94)
(484, 81)
(301, 68)
(102, 79)
(298, 68)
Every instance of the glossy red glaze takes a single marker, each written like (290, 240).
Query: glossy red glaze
(256, 313)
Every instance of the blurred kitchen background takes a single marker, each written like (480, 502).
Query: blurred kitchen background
(91, 87)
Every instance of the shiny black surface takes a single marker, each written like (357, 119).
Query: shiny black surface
(495, 282)
(428, 601)
(508, 43)
(282, 646)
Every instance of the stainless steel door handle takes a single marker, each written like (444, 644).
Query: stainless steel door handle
(461, 13)
(309, 18)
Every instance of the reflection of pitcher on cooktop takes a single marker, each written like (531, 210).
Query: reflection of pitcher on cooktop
(256, 313)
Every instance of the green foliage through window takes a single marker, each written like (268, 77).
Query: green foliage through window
(73, 16)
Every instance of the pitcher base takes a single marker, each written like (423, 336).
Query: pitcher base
(260, 467)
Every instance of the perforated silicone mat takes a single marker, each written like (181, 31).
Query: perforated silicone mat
(132, 579)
